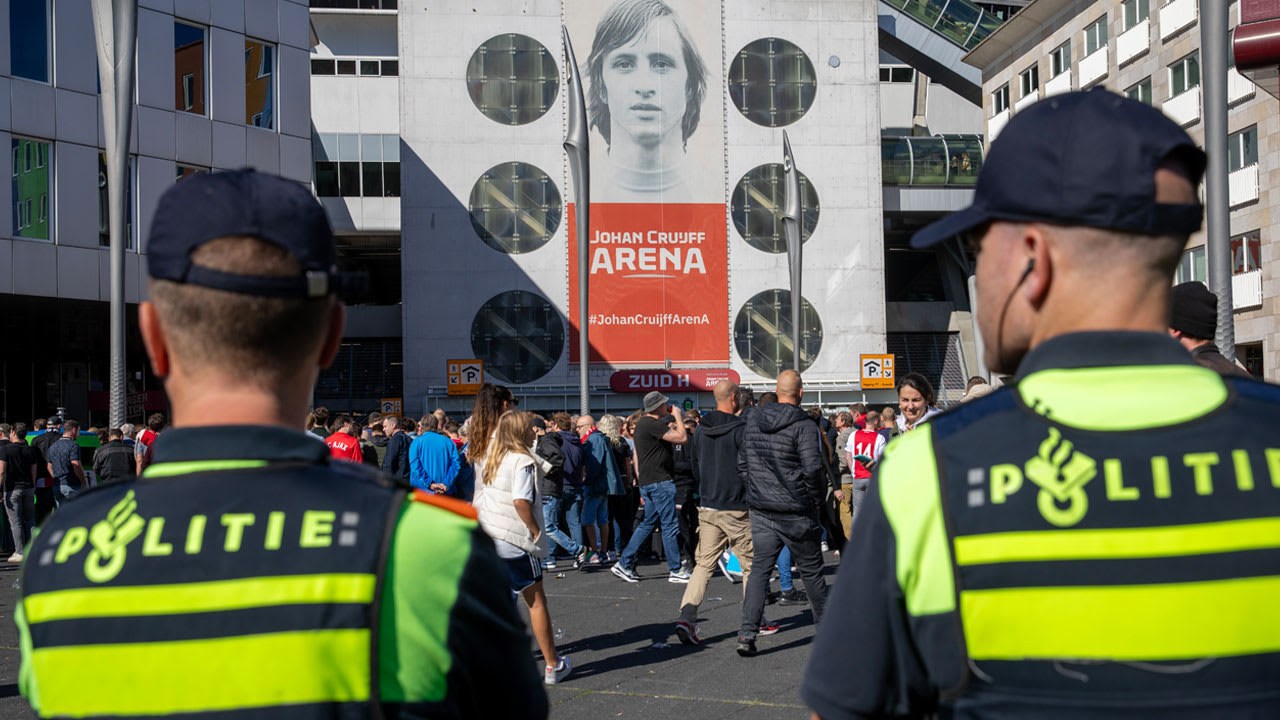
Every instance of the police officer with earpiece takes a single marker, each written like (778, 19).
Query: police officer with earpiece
(246, 574)
(1027, 555)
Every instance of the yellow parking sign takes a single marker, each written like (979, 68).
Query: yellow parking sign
(877, 372)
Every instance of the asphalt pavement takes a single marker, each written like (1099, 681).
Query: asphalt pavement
(621, 637)
(629, 663)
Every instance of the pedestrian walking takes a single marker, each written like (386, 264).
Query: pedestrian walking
(653, 440)
(114, 461)
(1097, 539)
(781, 460)
(506, 499)
(263, 579)
(18, 462)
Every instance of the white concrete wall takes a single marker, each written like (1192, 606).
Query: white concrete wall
(447, 144)
(67, 114)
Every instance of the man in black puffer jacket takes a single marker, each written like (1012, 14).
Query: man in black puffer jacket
(781, 460)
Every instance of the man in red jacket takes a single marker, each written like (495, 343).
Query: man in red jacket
(343, 444)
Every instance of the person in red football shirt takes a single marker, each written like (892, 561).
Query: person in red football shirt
(343, 444)
(863, 451)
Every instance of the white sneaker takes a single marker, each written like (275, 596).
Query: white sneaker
(16, 557)
(679, 576)
(553, 675)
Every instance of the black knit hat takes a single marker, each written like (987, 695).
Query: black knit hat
(1195, 310)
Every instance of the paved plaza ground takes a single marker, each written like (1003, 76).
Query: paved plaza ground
(622, 641)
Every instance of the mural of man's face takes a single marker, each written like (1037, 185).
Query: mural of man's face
(645, 84)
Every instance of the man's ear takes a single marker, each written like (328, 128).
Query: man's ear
(1038, 270)
(153, 338)
(333, 336)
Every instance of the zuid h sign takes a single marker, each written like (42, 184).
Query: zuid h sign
(658, 268)
(642, 381)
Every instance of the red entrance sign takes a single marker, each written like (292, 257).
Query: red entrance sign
(642, 381)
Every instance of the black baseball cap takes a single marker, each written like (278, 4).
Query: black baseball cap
(1080, 159)
(207, 206)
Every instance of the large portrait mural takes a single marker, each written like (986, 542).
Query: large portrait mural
(652, 76)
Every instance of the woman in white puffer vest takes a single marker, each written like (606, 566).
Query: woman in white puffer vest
(510, 511)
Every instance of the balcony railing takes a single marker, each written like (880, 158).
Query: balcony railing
(997, 123)
(1246, 289)
(1184, 109)
(1239, 87)
(1242, 185)
(1094, 66)
(941, 160)
(1026, 100)
(1176, 16)
(1059, 84)
(960, 21)
(1133, 42)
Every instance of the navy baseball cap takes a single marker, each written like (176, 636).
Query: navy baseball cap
(207, 206)
(1085, 159)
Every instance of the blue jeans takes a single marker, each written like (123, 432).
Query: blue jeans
(659, 509)
(784, 570)
(595, 510)
(551, 520)
(571, 501)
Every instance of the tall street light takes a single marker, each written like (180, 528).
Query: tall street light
(577, 145)
(791, 226)
(115, 24)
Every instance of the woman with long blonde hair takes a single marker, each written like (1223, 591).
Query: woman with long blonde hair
(506, 499)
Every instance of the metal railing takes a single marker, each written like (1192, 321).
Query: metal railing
(960, 21)
(938, 161)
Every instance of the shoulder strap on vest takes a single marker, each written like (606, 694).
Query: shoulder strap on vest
(444, 502)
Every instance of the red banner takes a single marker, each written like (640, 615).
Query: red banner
(658, 285)
(642, 381)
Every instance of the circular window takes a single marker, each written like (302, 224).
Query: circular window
(757, 204)
(515, 208)
(512, 79)
(772, 82)
(762, 333)
(519, 336)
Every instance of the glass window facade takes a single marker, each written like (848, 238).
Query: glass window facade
(1060, 59)
(519, 335)
(762, 333)
(1095, 36)
(1029, 81)
(350, 165)
(104, 204)
(1000, 100)
(259, 84)
(355, 4)
(1192, 267)
(512, 79)
(772, 82)
(757, 207)
(515, 208)
(1135, 11)
(1140, 92)
(30, 25)
(31, 188)
(1246, 252)
(365, 66)
(897, 74)
(189, 58)
(1184, 75)
(1242, 149)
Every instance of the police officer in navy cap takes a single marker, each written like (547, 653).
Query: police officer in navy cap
(1100, 539)
(244, 575)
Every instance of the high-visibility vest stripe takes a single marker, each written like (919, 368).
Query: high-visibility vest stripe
(1142, 542)
(913, 504)
(203, 675)
(142, 600)
(171, 469)
(1174, 621)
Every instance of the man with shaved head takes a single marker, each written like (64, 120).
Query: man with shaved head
(781, 460)
(722, 516)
